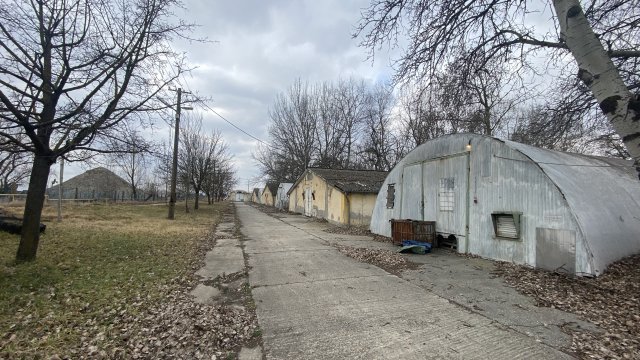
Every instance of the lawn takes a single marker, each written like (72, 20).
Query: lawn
(101, 261)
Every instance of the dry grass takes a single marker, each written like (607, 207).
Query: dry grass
(98, 256)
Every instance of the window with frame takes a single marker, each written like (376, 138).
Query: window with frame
(391, 196)
(446, 194)
(506, 225)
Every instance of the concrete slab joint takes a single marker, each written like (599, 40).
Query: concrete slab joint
(314, 303)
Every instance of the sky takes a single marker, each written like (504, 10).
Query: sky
(257, 49)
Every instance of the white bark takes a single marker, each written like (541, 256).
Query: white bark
(599, 73)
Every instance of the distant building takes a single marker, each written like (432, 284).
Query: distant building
(98, 183)
(240, 196)
(255, 195)
(269, 193)
(344, 197)
(282, 199)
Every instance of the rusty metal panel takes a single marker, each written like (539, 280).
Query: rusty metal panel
(556, 250)
(424, 231)
(407, 229)
(401, 230)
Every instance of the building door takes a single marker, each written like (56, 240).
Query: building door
(445, 194)
(411, 202)
(308, 201)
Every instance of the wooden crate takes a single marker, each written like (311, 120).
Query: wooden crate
(401, 230)
(425, 231)
(406, 229)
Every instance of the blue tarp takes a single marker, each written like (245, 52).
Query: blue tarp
(415, 247)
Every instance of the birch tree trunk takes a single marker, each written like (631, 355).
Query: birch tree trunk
(598, 72)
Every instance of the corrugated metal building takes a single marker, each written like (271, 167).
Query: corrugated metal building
(282, 199)
(513, 202)
(344, 197)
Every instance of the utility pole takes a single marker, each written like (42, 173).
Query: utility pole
(174, 166)
(60, 190)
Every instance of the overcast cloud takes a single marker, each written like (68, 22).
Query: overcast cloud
(258, 49)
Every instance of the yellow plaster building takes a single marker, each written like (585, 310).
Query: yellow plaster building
(269, 194)
(255, 196)
(345, 197)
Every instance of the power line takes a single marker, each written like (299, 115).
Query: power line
(235, 126)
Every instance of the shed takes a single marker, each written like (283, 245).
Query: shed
(269, 192)
(255, 195)
(514, 202)
(282, 199)
(344, 197)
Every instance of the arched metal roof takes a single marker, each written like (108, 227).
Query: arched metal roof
(603, 194)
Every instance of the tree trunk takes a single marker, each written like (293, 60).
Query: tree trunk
(196, 202)
(598, 72)
(33, 209)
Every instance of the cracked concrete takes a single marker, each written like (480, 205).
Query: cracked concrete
(225, 258)
(315, 303)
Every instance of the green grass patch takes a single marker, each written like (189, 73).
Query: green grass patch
(102, 259)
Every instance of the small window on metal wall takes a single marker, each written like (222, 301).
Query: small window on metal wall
(506, 225)
(446, 194)
(391, 196)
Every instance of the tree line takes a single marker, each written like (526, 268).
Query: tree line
(486, 67)
(204, 165)
(350, 124)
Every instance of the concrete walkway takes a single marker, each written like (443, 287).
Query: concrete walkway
(315, 303)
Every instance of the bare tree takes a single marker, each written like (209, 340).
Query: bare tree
(202, 158)
(73, 74)
(602, 39)
(377, 149)
(421, 117)
(220, 182)
(547, 128)
(292, 132)
(131, 159)
(484, 100)
(342, 124)
(275, 164)
(14, 168)
(350, 100)
(330, 130)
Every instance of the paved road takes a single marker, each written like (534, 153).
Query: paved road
(315, 303)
